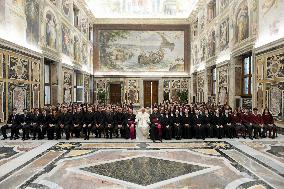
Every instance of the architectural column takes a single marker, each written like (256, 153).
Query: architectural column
(231, 84)
(60, 83)
(160, 91)
(193, 87)
(207, 89)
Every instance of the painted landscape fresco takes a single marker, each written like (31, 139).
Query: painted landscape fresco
(125, 50)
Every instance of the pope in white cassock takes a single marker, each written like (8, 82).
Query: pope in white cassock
(143, 121)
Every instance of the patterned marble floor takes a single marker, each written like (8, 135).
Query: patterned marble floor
(119, 164)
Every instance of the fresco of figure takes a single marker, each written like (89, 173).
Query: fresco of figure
(66, 41)
(242, 31)
(84, 54)
(50, 31)
(211, 44)
(76, 49)
(32, 18)
(224, 34)
(66, 7)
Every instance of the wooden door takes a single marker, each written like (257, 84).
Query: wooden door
(147, 93)
(115, 93)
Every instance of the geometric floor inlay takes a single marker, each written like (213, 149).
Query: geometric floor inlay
(145, 171)
(124, 164)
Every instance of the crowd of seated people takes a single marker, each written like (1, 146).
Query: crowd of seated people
(167, 121)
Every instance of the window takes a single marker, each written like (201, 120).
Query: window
(79, 88)
(214, 78)
(247, 75)
(90, 33)
(47, 84)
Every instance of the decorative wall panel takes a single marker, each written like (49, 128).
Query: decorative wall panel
(2, 101)
(67, 85)
(18, 96)
(18, 67)
(87, 88)
(222, 73)
(132, 91)
(23, 81)
(270, 76)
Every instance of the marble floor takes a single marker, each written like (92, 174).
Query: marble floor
(129, 164)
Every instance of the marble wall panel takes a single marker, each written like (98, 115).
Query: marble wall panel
(67, 85)
(22, 80)
(2, 104)
(18, 67)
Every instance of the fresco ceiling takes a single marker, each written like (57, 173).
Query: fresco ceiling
(141, 8)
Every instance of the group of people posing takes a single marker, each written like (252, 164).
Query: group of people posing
(165, 121)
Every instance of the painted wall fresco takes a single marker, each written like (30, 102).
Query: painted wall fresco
(32, 18)
(223, 81)
(141, 8)
(224, 34)
(242, 22)
(67, 85)
(50, 30)
(271, 24)
(126, 50)
(66, 40)
(39, 26)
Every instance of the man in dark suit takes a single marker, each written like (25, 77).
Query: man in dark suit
(99, 122)
(109, 123)
(77, 120)
(26, 124)
(120, 123)
(13, 122)
(167, 125)
(42, 123)
(88, 123)
(64, 123)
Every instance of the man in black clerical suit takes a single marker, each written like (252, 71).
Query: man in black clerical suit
(88, 123)
(52, 118)
(42, 123)
(119, 123)
(156, 127)
(34, 122)
(176, 121)
(99, 122)
(167, 125)
(130, 124)
(205, 123)
(64, 123)
(218, 124)
(109, 122)
(26, 124)
(14, 122)
(77, 121)
(187, 124)
(197, 125)
(227, 123)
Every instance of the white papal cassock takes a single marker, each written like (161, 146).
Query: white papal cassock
(142, 129)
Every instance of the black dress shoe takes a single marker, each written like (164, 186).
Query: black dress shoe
(4, 138)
